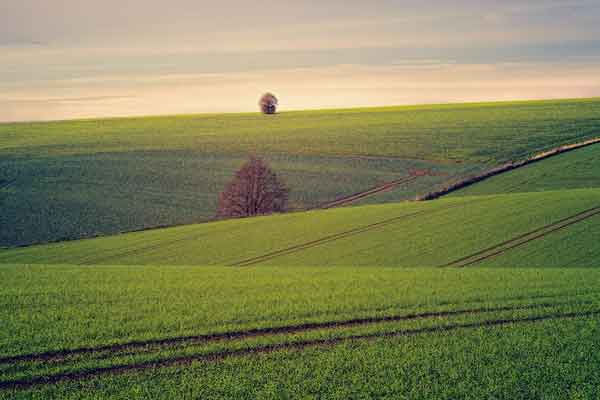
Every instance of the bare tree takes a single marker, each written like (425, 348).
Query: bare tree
(268, 103)
(254, 190)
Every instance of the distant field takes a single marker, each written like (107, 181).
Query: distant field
(409, 234)
(573, 170)
(107, 320)
(64, 180)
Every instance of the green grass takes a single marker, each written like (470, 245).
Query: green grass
(83, 178)
(57, 307)
(419, 234)
(572, 170)
(481, 132)
(65, 307)
(550, 360)
(494, 332)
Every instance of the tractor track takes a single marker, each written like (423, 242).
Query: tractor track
(270, 331)
(523, 239)
(345, 234)
(292, 346)
(357, 196)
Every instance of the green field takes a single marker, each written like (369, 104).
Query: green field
(73, 179)
(116, 314)
(491, 292)
(572, 170)
(410, 234)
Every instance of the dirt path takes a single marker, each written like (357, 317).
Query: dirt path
(523, 239)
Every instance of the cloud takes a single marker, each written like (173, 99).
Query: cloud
(334, 86)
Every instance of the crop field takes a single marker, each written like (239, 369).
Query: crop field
(413, 234)
(74, 179)
(573, 170)
(213, 331)
(490, 292)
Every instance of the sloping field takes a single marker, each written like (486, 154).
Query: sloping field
(572, 170)
(70, 328)
(437, 233)
(65, 180)
(554, 358)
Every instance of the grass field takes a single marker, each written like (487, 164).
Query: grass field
(72, 179)
(113, 326)
(573, 170)
(409, 234)
(554, 359)
(490, 293)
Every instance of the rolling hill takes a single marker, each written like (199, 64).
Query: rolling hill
(74, 179)
(492, 291)
(407, 234)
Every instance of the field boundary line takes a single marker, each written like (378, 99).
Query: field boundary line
(506, 168)
(299, 345)
(524, 238)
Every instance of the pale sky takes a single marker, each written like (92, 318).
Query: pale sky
(63, 59)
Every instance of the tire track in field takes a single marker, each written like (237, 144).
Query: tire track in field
(357, 196)
(412, 176)
(271, 331)
(291, 346)
(345, 234)
(523, 239)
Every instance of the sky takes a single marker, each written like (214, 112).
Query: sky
(63, 59)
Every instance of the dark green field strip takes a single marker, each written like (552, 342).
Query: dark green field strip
(292, 346)
(342, 235)
(523, 239)
(224, 336)
(69, 197)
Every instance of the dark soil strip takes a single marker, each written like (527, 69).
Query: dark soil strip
(505, 168)
(342, 235)
(524, 239)
(243, 334)
(301, 345)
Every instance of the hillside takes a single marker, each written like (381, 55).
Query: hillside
(73, 179)
(572, 170)
(406, 234)
(391, 300)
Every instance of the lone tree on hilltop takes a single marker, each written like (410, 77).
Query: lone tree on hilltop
(268, 103)
(254, 190)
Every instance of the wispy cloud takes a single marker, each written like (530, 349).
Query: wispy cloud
(335, 86)
(136, 52)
